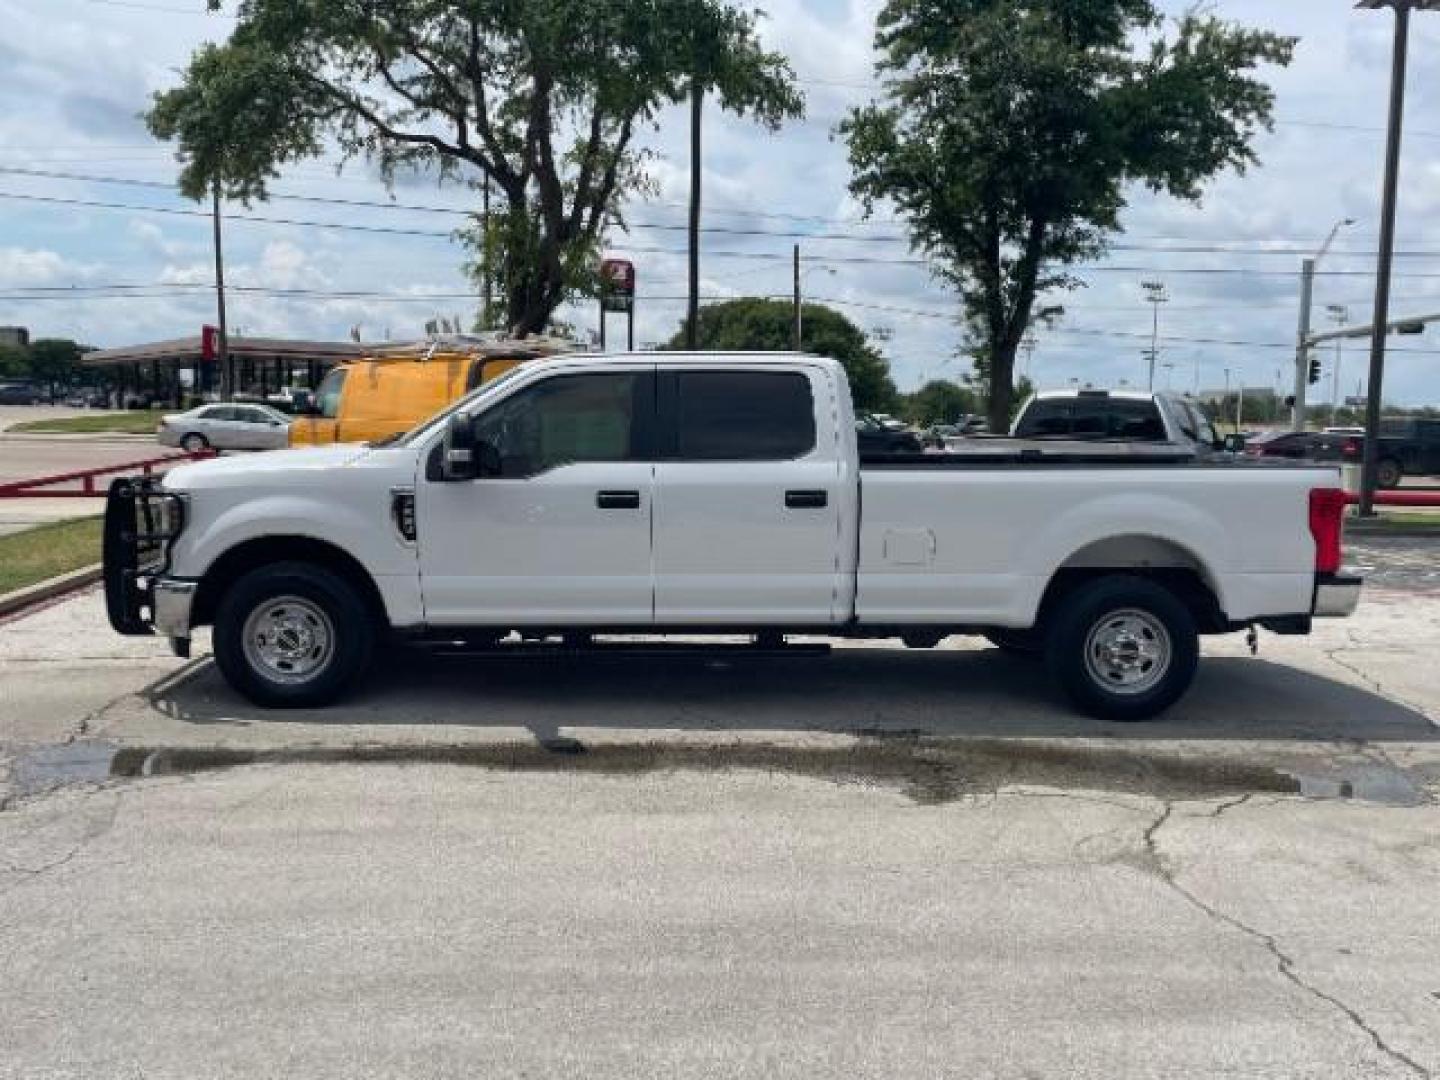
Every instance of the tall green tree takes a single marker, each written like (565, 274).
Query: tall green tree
(754, 324)
(1011, 131)
(546, 98)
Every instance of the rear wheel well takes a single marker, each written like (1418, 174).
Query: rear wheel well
(252, 554)
(1186, 583)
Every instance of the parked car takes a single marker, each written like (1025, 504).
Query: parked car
(19, 393)
(1408, 447)
(225, 427)
(1117, 416)
(876, 437)
(1294, 445)
(654, 493)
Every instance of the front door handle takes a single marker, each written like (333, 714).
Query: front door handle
(618, 500)
(806, 500)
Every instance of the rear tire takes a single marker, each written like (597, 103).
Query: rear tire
(293, 635)
(1123, 648)
(194, 443)
(1388, 473)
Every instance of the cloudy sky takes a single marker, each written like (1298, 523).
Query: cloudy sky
(78, 72)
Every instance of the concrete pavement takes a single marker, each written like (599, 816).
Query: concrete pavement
(881, 863)
(438, 921)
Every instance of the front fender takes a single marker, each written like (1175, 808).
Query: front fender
(365, 534)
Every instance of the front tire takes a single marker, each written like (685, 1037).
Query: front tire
(1388, 473)
(292, 635)
(1123, 648)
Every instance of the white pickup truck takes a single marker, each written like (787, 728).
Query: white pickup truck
(669, 493)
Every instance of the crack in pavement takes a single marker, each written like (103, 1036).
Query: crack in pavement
(90, 836)
(1285, 964)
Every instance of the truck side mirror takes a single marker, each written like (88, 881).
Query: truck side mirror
(457, 452)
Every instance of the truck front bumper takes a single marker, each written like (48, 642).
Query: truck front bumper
(173, 600)
(1337, 595)
(142, 521)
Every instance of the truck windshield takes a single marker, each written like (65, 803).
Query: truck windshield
(327, 398)
(421, 430)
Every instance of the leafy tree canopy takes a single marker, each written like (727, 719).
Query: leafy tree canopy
(544, 97)
(1011, 130)
(54, 362)
(940, 401)
(769, 325)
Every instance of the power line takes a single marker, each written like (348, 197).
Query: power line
(1168, 245)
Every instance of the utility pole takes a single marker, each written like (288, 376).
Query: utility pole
(1375, 390)
(227, 380)
(1028, 343)
(799, 317)
(692, 305)
(1154, 296)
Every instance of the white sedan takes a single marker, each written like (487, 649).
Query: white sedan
(225, 427)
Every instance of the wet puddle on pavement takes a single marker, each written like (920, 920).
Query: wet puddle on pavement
(929, 771)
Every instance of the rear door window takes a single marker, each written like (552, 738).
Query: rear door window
(743, 416)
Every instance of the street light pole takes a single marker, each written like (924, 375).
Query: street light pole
(1375, 389)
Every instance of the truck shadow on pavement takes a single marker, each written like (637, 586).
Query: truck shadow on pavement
(878, 692)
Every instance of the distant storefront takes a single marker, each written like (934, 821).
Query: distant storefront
(169, 372)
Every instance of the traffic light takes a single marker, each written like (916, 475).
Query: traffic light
(1314, 370)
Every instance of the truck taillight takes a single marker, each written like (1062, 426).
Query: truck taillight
(1327, 517)
(1351, 448)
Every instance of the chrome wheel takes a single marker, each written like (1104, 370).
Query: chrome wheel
(1128, 652)
(288, 640)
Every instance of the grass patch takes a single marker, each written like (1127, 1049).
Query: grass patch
(136, 422)
(1410, 521)
(48, 551)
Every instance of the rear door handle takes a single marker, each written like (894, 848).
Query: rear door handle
(618, 500)
(806, 500)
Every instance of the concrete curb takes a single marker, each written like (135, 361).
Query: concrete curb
(75, 436)
(18, 601)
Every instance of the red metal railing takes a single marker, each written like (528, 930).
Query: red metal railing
(1400, 497)
(41, 487)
